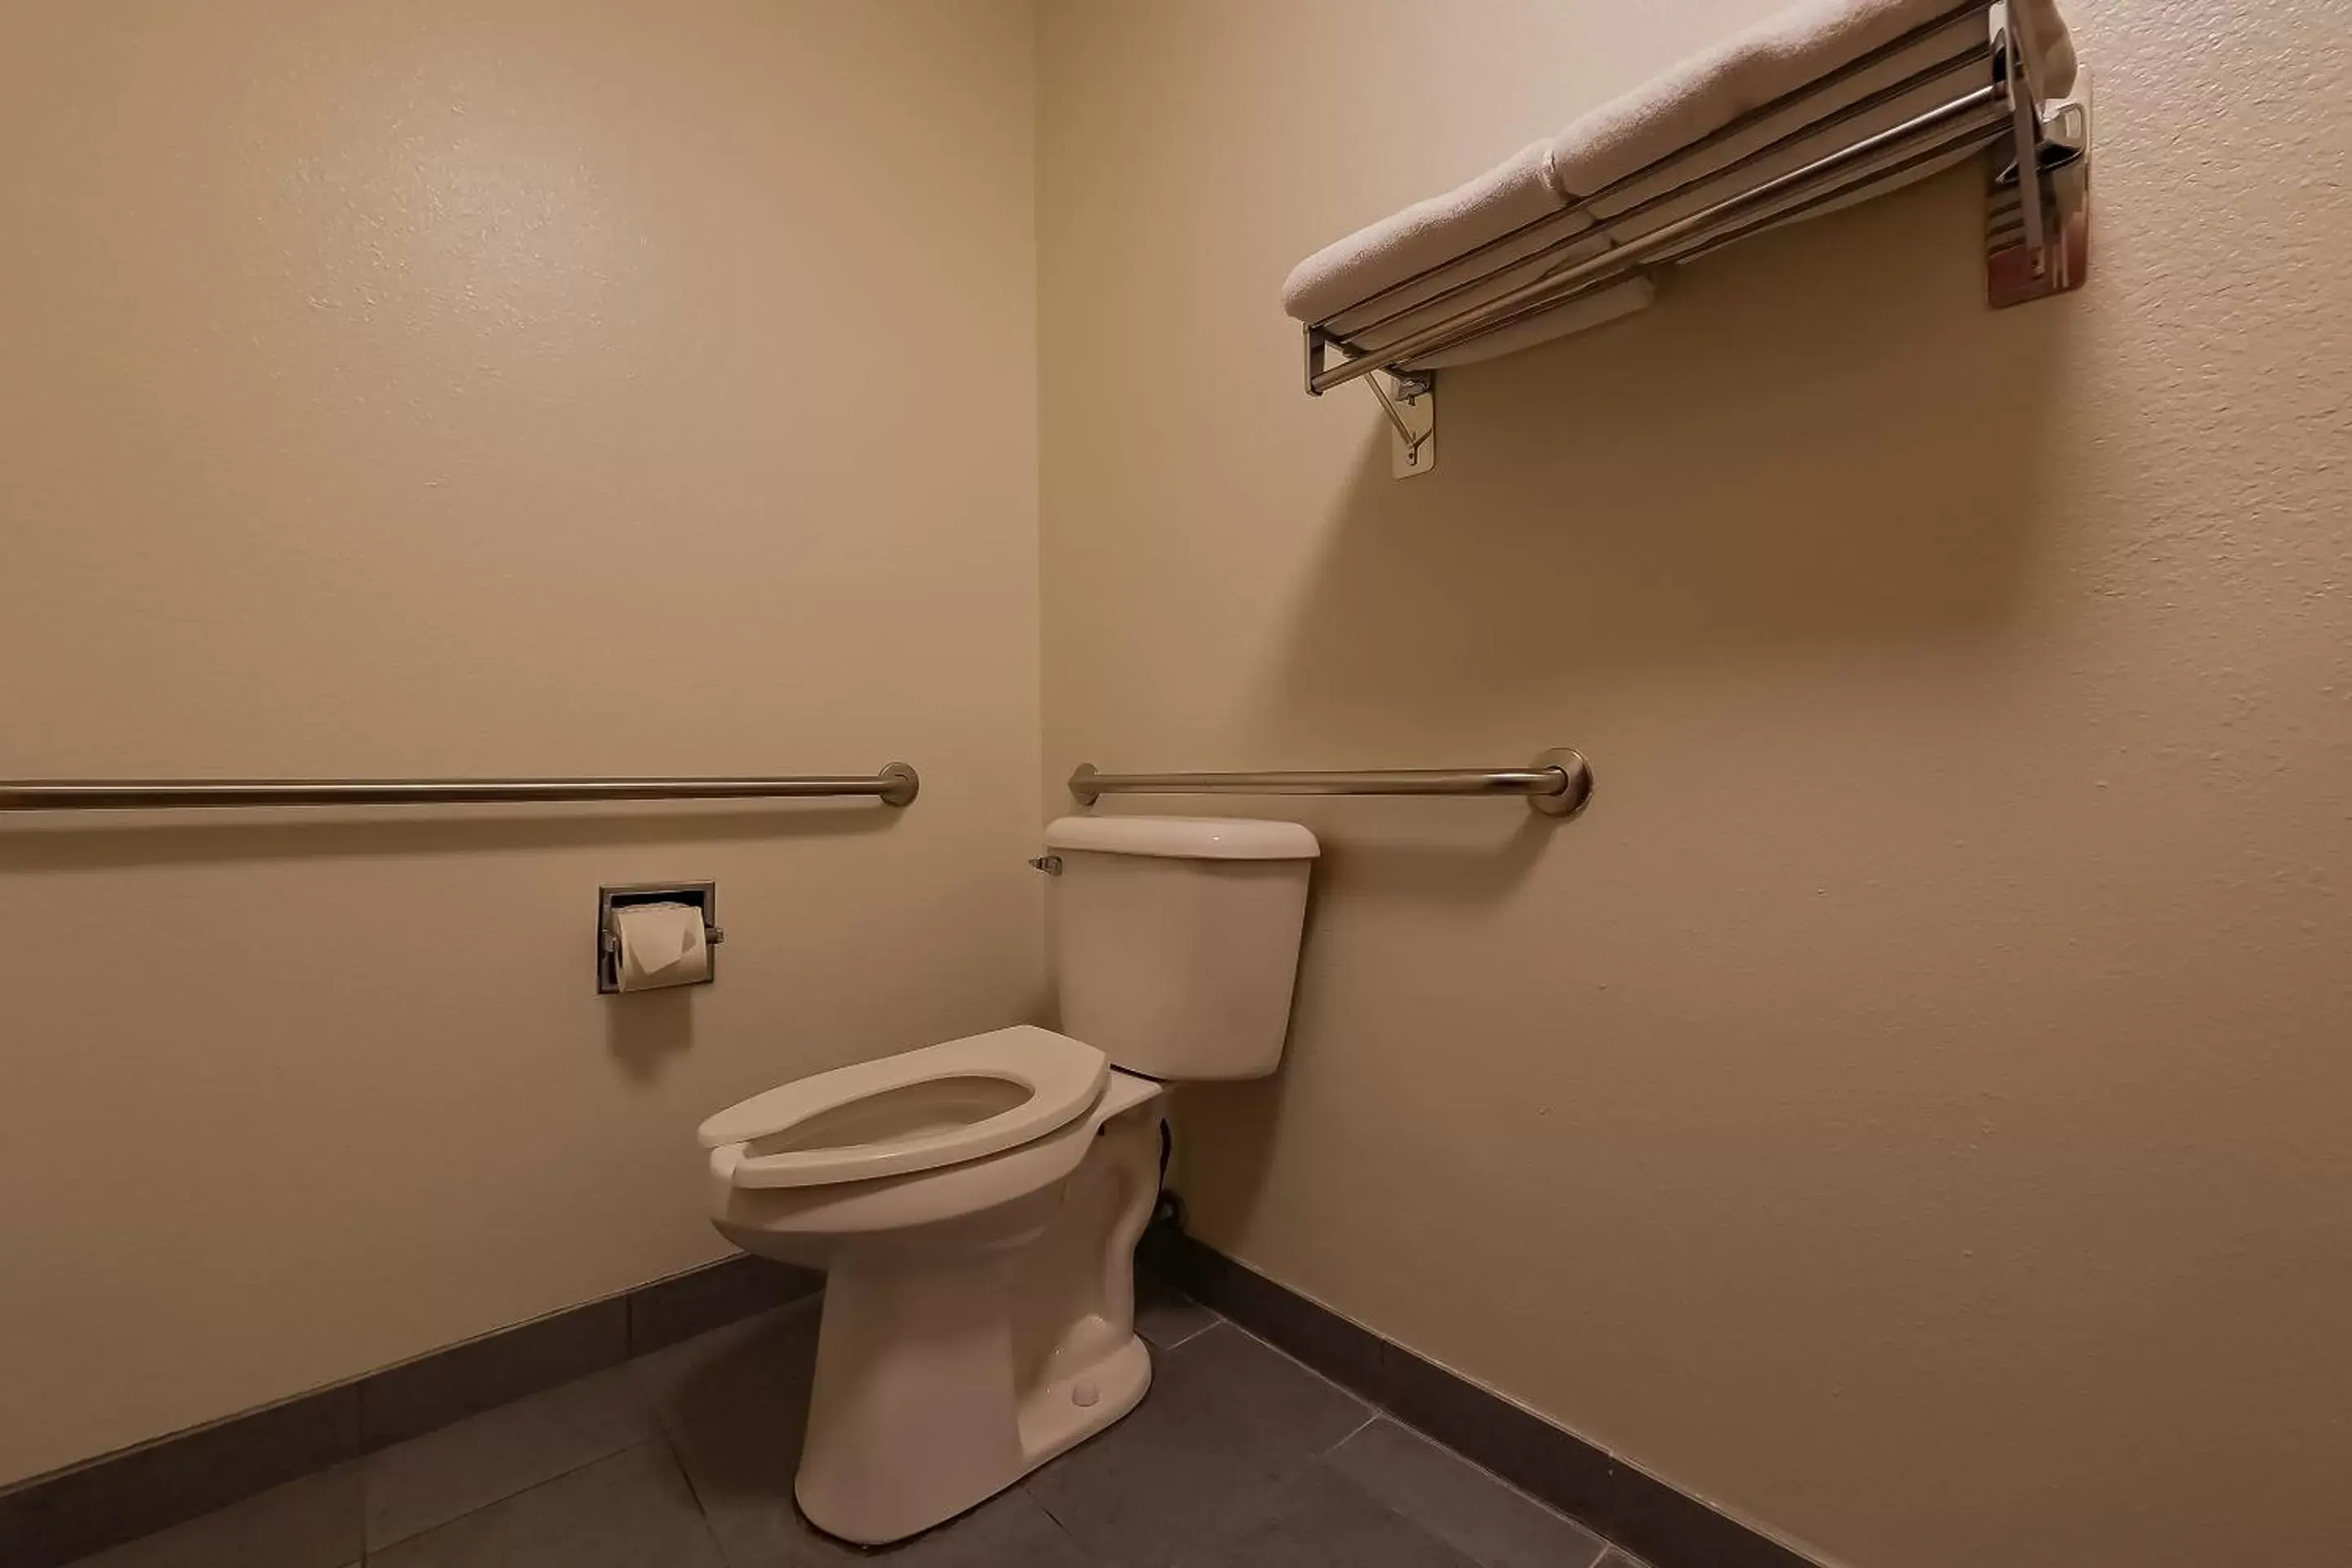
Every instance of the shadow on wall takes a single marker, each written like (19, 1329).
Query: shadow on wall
(1819, 441)
(98, 841)
(1240, 1120)
(1822, 437)
(1458, 870)
(644, 1030)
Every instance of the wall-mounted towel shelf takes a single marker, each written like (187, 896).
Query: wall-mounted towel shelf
(1960, 82)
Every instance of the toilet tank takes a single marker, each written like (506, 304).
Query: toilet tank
(1176, 939)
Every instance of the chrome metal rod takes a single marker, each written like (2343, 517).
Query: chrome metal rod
(1606, 226)
(1848, 185)
(895, 784)
(1737, 126)
(2027, 124)
(1982, 110)
(1964, 141)
(1557, 784)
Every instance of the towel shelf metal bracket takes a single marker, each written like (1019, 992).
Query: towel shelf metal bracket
(1413, 421)
(2038, 209)
(1410, 409)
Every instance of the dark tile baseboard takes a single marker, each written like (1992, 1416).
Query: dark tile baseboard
(54, 1519)
(1633, 1508)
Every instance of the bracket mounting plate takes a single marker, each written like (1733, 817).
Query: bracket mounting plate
(1411, 411)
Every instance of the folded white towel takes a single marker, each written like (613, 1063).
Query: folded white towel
(1517, 191)
(1780, 56)
(2049, 47)
(1359, 285)
(1512, 209)
(1564, 321)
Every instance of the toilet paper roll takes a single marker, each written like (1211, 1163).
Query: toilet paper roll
(661, 944)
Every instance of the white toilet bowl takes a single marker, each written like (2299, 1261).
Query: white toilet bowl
(976, 1206)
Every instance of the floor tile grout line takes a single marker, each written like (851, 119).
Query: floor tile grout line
(1508, 1485)
(1380, 1411)
(1315, 1373)
(1077, 1548)
(1608, 1544)
(1188, 1339)
(1394, 1511)
(670, 1416)
(670, 1443)
(1374, 1412)
(703, 1510)
(669, 1436)
(1604, 1548)
(1372, 1415)
(661, 1423)
(1213, 1316)
(656, 1436)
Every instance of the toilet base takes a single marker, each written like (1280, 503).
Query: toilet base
(953, 1473)
(1066, 1413)
(952, 1363)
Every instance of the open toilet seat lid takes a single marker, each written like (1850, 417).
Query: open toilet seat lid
(1063, 1076)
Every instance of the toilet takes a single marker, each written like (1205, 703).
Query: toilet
(976, 1203)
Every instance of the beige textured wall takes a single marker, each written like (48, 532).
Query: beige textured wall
(499, 387)
(1910, 1108)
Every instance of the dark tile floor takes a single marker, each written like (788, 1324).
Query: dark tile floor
(1239, 1458)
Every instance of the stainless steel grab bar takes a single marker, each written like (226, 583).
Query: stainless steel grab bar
(1557, 784)
(895, 784)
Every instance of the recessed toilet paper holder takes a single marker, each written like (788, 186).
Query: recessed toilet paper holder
(703, 896)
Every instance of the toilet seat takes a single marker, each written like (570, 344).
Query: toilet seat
(917, 1111)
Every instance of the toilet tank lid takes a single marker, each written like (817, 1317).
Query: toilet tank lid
(1184, 838)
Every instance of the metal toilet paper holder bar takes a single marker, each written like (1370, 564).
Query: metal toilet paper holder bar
(703, 896)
